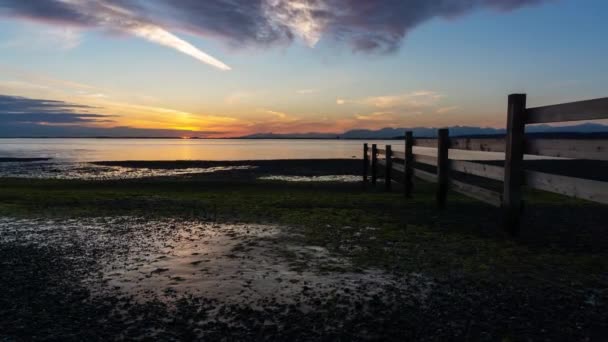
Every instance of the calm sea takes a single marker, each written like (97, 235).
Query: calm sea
(85, 150)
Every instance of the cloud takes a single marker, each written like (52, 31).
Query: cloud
(300, 17)
(19, 110)
(38, 37)
(405, 102)
(364, 25)
(238, 97)
(27, 117)
(36, 130)
(279, 115)
(307, 91)
(110, 15)
(377, 116)
(444, 110)
(398, 109)
(41, 80)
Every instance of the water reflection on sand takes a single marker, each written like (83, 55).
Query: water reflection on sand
(324, 178)
(232, 262)
(88, 171)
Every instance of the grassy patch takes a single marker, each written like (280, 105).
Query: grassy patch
(561, 245)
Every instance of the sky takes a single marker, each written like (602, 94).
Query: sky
(222, 68)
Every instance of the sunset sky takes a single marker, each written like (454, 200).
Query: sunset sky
(221, 68)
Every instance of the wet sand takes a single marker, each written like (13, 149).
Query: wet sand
(288, 260)
(234, 263)
(243, 278)
(100, 171)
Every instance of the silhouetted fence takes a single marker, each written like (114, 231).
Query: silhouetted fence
(514, 145)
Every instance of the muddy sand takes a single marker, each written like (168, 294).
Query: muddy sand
(302, 262)
(241, 280)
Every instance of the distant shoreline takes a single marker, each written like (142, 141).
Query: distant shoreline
(22, 160)
(535, 135)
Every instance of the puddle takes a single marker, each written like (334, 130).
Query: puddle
(234, 263)
(326, 178)
(87, 171)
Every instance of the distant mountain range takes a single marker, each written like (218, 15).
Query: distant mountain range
(389, 133)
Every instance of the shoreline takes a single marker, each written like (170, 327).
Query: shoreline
(279, 260)
(586, 169)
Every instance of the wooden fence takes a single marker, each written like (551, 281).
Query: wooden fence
(513, 175)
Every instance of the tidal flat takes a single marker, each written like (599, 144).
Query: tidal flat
(235, 255)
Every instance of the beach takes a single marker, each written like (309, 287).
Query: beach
(290, 249)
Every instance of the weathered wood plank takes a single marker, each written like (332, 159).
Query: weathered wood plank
(478, 169)
(425, 142)
(488, 196)
(388, 168)
(574, 111)
(398, 154)
(381, 151)
(374, 163)
(427, 176)
(409, 164)
(514, 161)
(478, 144)
(365, 162)
(569, 148)
(470, 144)
(587, 189)
(443, 167)
(399, 167)
(429, 160)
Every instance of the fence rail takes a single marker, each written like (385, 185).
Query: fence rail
(569, 148)
(512, 175)
(574, 111)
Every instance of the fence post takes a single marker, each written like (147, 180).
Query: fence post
(443, 145)
(389, 167)
(365, 162)
(514, 156)
(374, 163)
(409, 164)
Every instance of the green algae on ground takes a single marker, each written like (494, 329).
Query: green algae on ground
(553, 277)
(372, 227)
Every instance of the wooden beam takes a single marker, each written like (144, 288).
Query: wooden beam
(425, 142)
(470, 144)
(365, 162)
(389, 167)
(574, 111)
(487, 196)
(478, 169)
(427, 176)
(569, 148)
(409, 164)
(424, 159)
(478, 144)
(374, 164)
(381, 151)
(514, 156)
(587, 189)
(399, 168)
(443, 166)
(398, 154)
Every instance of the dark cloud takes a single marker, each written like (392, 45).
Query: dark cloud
(36, 130)
(17, 110)
(47, 10)
(26, 117)
(365, 25)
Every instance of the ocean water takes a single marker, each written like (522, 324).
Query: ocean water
(87, 150)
